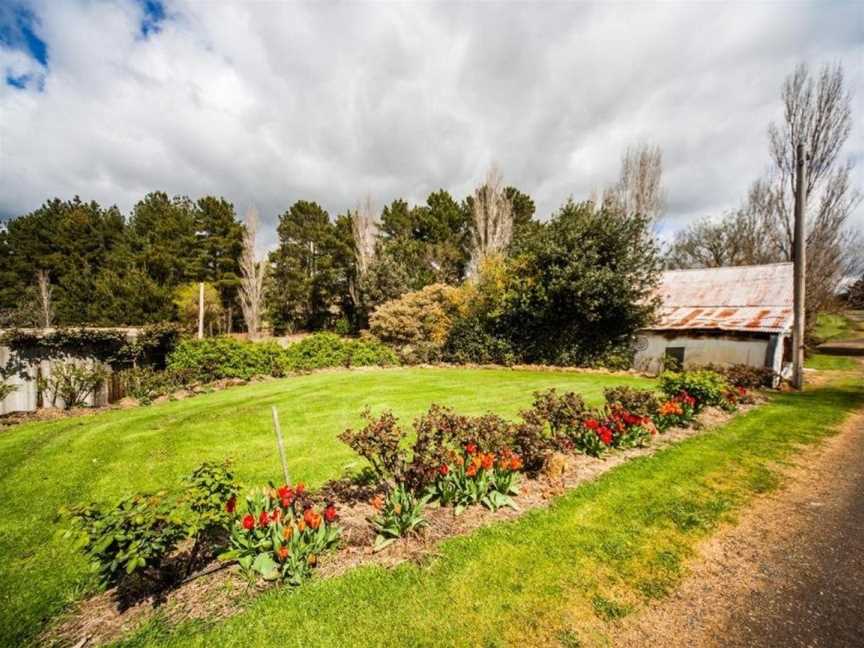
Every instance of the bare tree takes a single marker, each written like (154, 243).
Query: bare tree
(46, 292)
(817, 113)
(639, 189)
(364, 232)
(252, 274)
(492, 220)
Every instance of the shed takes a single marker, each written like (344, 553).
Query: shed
(721, 316)
(29, 356)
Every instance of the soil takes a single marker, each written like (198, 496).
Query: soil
(789, 573)
(106, 617)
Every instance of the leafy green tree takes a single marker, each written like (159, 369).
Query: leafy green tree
(72, 240)
(125, 294)
(186, 301)
(162, 238)
(580, 286)
(219, 242)
(308, 283)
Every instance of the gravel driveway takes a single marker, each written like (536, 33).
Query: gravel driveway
(791, 573)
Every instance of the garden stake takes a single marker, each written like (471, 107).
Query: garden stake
(281, 445)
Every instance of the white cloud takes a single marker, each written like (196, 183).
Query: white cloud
(271, 102)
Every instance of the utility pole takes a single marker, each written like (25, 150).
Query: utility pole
(799, 258)
(201, 311)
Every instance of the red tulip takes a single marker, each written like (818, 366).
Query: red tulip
(248, 522)
(231, 504)
(330, 513)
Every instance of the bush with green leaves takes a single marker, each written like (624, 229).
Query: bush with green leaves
(709, 388)
(553, 423)
(325, 350)
(217, 358)
(72, 383)
(210, 492)
(137, 534)
(145, 384)
(417, 323)
(470, 341)
(399, 514)
(741, 375)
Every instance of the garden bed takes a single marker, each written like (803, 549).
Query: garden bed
(220, 591)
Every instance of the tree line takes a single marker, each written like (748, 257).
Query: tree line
(72, 262)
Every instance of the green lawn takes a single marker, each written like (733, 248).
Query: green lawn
(834, 326)
(553, 576)
(825, 362)
(44, 466)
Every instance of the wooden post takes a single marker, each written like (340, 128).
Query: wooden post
(799, 257)
(201, 311)
(281, 446)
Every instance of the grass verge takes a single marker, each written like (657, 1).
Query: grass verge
(46, 465)
(825, 362)
(553, 576)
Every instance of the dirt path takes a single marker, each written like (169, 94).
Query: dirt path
(791, 573)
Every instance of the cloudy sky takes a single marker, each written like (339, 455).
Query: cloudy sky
(267, 103)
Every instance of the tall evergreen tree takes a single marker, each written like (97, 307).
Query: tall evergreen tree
(72, 241)
(309, 278)
(219, 244)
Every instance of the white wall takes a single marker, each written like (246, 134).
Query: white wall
(722, 350)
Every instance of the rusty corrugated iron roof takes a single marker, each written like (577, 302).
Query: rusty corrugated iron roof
(745, 298)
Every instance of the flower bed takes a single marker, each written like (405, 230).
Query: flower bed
(453, 474)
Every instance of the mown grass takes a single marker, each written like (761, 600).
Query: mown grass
(44, 466)
(834, 326)
(825, 362)
(553, 576)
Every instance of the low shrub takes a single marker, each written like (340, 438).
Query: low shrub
(380, 442)
(708, 388)
(449, 458)
(135, 535)
(469, 342)
(554, 423)
(418, 323)
(477, 477)
(399, 514)
(224, 357)
(325, 350)
(675, 412)
(72, 383)
(210, 493)
(146, 384)
(741, 375)
(280, 536)
(643, 402)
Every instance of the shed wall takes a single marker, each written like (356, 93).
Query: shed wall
(700, 350)
(26, 397)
